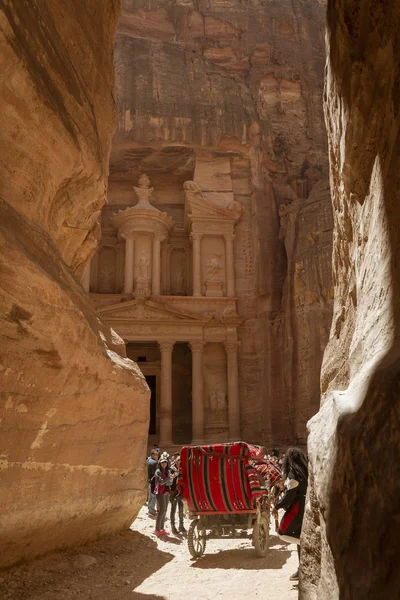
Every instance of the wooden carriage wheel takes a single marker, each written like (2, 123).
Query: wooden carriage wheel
(196, 539)
(261, 536)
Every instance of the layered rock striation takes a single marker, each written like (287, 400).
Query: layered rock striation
(74, 410)
(229, 94)
(351, 531)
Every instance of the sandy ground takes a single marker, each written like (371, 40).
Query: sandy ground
(136, 565)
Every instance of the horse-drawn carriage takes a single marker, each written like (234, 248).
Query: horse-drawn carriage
(227, 489)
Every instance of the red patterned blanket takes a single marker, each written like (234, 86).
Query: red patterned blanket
(221, 478)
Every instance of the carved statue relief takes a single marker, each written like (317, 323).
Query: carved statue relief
(215, 385)
(143, 267)
(218, 400)
(213, 266)
(142, 272)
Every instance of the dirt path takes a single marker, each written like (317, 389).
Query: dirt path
(137, 566)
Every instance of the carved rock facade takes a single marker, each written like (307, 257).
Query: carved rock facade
(74, 410)
(179, 321)
(228, 95)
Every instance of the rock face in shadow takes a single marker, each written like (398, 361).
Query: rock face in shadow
(351, 534)
(230, 93)
(74, 411)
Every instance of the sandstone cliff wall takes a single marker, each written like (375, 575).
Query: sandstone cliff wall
(74, 411)
(240, 84)
(351, 533)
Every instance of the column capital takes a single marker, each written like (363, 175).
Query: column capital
(166, 346)
(196, 236)
(197, 346)
(127, 234)
(158, 237)
(229, 237)
(232, 346)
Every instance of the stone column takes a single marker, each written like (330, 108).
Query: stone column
(230, 269)
(128, 269)
(233, 391)
(197, 393)
(156, 271)
(166, 349)
(196, 239)
(86, 278)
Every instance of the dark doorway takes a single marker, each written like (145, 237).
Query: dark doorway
(151, 382)
(182, 394)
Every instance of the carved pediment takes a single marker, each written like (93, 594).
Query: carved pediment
(148, 310)
(198, 207)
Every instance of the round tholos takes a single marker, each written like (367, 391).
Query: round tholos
(196, 539)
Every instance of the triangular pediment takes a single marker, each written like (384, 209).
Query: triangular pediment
(196, 206)
(147, 310)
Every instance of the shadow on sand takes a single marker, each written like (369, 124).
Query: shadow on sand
(246, 558)
(108, 569)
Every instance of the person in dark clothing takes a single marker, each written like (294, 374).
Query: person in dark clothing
(163, 482)
(151, 470)
(295, 478)
(176, 497)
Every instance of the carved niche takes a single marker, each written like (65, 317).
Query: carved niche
(214, 275)
(215, 387)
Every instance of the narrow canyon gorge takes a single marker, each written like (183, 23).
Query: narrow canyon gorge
(199, 237)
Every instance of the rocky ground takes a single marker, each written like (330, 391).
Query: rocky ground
(137, 566)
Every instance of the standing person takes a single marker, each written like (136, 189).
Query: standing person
(176, 497)
(162, 482)
(151, 470)
(295, 477)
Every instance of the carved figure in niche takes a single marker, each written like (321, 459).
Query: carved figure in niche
(144, 192)
(301, 294)
(213, 266)
(218, 400)
(143, 267)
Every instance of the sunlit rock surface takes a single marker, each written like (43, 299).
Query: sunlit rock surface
(74, 411)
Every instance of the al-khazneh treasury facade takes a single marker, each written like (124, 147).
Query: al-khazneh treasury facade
(167, 286)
